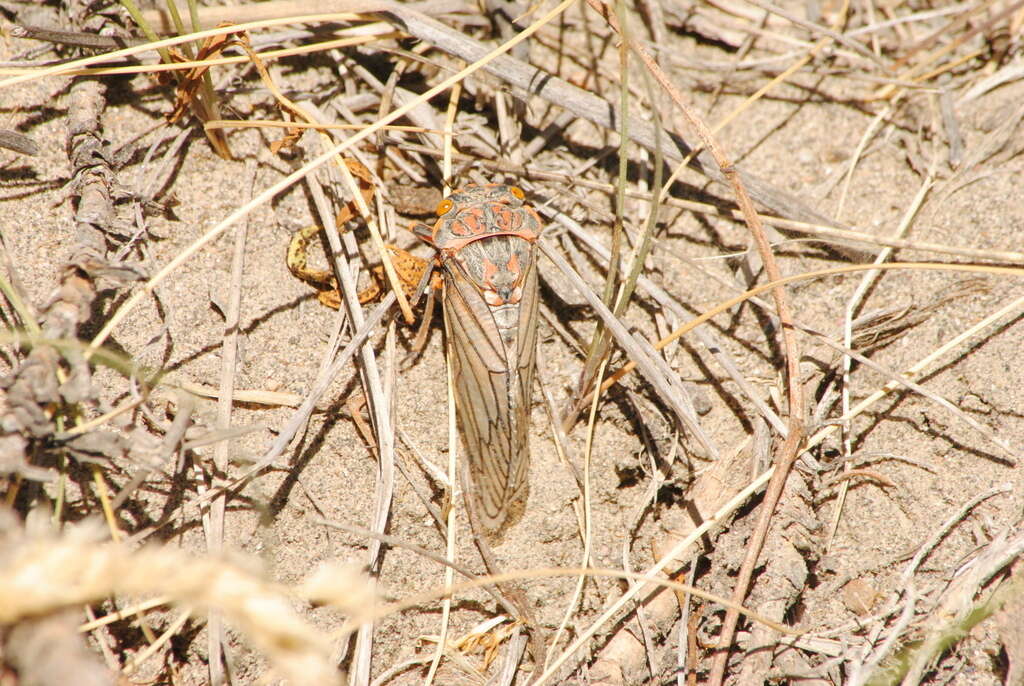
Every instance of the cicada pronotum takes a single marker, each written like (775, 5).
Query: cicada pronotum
(486, 238)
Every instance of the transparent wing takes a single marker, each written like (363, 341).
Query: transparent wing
(493, 396)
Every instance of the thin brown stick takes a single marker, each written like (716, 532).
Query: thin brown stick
(790, 448)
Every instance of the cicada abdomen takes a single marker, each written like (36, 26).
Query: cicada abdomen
(486, 241)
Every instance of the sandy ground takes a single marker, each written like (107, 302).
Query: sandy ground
(915, 463)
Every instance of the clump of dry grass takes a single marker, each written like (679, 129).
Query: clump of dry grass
(44, 574)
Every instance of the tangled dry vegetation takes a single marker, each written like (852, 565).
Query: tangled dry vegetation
(803, 464)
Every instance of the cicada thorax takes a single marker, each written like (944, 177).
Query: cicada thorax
(475, 212)
(486, 239)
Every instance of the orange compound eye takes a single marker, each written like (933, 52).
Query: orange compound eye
(444, 206)
(518, 192)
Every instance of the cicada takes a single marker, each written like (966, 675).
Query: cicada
(486, 238)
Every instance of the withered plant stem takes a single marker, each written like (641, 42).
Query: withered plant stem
(790, 449)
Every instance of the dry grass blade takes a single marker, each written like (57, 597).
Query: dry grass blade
(707, 339)
(855, 303)
(379, 405)
(68, 68)
(451, 539)
(651, 366)
(648, 580)
(246, 396)
(213, 520)
(959, 39)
